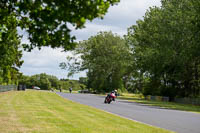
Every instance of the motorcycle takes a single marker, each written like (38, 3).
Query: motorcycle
(109, 98)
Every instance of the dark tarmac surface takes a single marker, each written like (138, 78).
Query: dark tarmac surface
(178, 121)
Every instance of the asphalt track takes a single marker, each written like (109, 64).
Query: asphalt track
(178, 121)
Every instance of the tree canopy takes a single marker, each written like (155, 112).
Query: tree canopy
(47, 22)
(158, 56)
(105, 57)
(166, 45)
(10, 53)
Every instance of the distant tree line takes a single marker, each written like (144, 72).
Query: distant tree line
(48, 82)
(159, 55)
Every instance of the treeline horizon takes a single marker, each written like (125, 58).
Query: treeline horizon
(50, 82)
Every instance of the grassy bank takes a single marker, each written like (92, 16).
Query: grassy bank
(168, 105)
(46, 112)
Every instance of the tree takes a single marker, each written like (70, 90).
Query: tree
(25, 80)
(10, 53)
(47, 22)
(105, 57)
(83, 80)
(44, 81)
(55, 83)
(165, 46)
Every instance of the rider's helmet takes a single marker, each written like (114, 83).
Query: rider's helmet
(114, 91)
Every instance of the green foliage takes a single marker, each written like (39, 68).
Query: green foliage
(10, 53)
(55, 83)
(47, 82)
(83, 80)
(47, 22)
(105, 57)
(165, 46)
(42, 80)
(75, 84)
(25, 80)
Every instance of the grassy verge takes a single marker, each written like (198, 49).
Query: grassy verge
(45, 112)
(168, 105)
(73, 91)
(66, 91)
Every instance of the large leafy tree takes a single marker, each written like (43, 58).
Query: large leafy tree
(10, 54)
(166, 45)
(105, 57)
(47, 22)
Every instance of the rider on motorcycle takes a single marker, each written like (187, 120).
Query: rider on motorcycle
(113, 95)
(110, 97)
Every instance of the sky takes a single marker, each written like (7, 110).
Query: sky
(118, 18)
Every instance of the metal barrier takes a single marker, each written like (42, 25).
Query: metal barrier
(194, 101)
(157, 98)
(4, 88)
(165, 99)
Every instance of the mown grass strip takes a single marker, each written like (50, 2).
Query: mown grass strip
(46, 112)
(167, 105)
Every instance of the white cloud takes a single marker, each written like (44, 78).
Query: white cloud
(117, 20)
(44, 57)
(45, 60)
(93, 28)
(127, 12)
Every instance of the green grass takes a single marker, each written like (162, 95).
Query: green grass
(45, 112)
(167, 105)
(66, 91)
